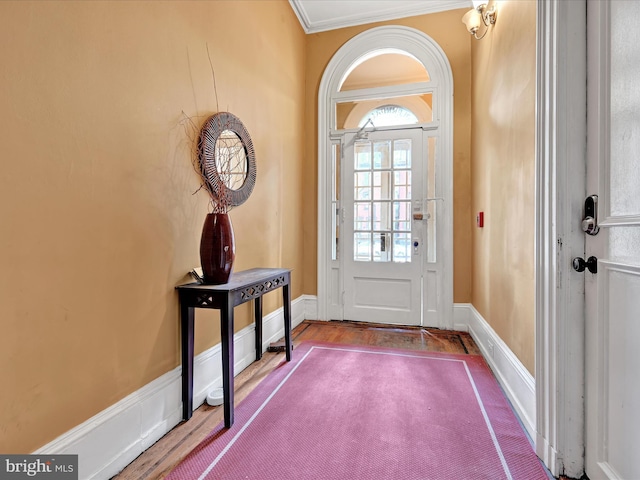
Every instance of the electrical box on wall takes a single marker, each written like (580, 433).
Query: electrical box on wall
(480, 219)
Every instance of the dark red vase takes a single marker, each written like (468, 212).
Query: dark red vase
(217, 248)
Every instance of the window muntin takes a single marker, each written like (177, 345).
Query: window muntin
(382, 201)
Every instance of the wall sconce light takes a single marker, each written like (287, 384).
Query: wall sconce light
(477, 15)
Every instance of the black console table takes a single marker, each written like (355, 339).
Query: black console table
(242, 287)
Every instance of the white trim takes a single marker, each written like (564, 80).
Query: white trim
(620, 221)
(560, 184)
(386, 92)
(516, 381)
(363, 15)
(424, 49)
(461, 316)
(110, 440)
(310, 307)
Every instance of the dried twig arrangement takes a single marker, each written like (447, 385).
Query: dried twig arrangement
(192, 132)
(223, 156)
(216, 157)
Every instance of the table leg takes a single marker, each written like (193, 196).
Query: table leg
(257, 306)
(286, 300)
(226, 327)
(187, 327)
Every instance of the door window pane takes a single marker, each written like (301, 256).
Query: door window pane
(381, 217)
(381, 247)
(382, 227)
(402, 185)
(382, 185)
(362, 216)
(401, 247)
(624, 244)
(402, 216)
(362, 155)
(382, 155)
(432, 205)
(402, 154)
(625, 113)
(362, 247)
(335, 199)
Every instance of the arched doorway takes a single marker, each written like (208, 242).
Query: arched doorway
(415, 249)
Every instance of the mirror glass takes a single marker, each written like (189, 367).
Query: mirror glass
(231, 160)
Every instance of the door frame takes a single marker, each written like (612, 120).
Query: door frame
(561, 133)
(430, 54)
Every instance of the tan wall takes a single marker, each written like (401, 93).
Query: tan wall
(447, 30)
(503, 173)
(99, 220)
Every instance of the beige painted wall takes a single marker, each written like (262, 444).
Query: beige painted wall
(503, 173)
(447, 30)
(99, 220)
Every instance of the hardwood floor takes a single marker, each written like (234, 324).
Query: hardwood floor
(162, 457)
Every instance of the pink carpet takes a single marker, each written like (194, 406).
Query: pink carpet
(355, 412)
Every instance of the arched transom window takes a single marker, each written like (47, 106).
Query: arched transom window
(389, 115)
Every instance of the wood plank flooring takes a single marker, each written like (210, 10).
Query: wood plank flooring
(162, 457)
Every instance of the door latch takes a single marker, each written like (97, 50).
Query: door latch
(591, 264)
(590, 219)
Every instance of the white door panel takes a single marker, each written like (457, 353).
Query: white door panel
(388, 293)
(383, 183)
(613, 293)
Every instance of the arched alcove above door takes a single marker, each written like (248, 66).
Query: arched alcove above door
(432, 196)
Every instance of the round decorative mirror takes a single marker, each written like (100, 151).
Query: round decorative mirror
(227, 159)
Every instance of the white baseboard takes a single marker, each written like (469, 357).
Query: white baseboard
(110, 440)
(310, 307)
(461, 315)
(550, 456)
(516, 381)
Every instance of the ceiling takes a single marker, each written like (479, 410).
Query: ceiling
(321, 15)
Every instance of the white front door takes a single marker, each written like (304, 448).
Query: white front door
(613, 293)
(383, 182)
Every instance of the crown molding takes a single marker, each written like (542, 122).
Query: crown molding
(348, 13)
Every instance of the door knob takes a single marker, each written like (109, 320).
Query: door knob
(591, 264)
